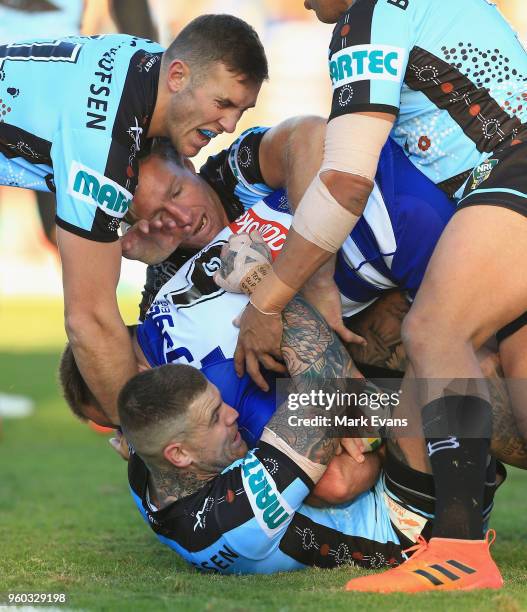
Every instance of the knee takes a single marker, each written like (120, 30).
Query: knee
(416, 333)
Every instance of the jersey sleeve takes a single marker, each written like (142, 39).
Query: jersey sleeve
(91, 196)
(235, 173)
(368, 56)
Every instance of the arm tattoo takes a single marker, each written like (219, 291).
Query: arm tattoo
(314, 355)
(507, 444)
(380, 324)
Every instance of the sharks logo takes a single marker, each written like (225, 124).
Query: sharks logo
(199, 283)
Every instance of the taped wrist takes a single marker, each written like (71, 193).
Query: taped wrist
(255, 276)
(271, 295)
(320, 219)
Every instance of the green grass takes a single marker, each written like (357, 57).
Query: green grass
(67, 523)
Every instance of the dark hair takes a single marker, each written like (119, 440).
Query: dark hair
(165, 150)
(74, 388)
(221, 38)
(156, 395)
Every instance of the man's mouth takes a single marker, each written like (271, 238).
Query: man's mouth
(207, 133)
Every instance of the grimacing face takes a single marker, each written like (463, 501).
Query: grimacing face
(213, 439)
(171, 192)
(208, 106)
(328, 11)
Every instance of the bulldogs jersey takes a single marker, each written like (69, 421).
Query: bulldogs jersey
(452, 71)
(74, 114)
(389, 247)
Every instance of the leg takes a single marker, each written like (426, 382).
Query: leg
(513, 354)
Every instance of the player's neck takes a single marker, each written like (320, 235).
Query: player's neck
(168, 484)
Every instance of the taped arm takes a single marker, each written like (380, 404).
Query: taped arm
(331, 206)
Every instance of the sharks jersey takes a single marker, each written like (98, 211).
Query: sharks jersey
(21, 19)
(251, 519)
(74, 114)
(452, 71)
(389, 247)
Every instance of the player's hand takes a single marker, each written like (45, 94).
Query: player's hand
(151, 241)
(120, 445)
(322, 292)
(241, 253)
(258, 343)
(354, 447)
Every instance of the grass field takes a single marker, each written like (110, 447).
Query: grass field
(68, 525)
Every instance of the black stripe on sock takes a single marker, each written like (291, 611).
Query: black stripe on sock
(445, 572)
(435, 581)
(460, 566)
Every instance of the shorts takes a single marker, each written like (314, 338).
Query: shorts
(410, 497)
(511, 328)
(501, 180)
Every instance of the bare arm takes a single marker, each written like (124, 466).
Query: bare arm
(96, 331)
(133, 17)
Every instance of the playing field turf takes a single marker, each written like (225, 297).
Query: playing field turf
(68, 525)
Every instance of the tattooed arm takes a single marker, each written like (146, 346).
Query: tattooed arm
(380, 325)
(313, 355)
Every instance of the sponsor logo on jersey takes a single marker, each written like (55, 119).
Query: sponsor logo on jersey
(273, 232)
(482, 172)
(408, 522)
(269, 507)
(89, 186)
(366, 62)
(201, 515)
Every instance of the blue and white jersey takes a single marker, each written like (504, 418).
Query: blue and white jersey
(389, 247)
(25, 19)
(74, 114)
(452, 71)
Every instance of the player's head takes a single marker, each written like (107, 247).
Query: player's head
(211, 74)
(169, 186)
(173, 416)
(328, 11)
(76, 392)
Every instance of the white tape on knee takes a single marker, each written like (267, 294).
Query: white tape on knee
(354, 143)
(320, 219)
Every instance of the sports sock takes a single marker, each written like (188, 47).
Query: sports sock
(457, 431)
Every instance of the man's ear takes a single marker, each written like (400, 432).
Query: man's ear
(177, 455)
(178, 75)
(189, 165)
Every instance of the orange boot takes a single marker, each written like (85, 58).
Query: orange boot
(443, 564)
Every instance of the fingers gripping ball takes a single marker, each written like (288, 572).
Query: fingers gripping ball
(242, 254)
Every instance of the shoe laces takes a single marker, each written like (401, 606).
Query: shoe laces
(419, 547)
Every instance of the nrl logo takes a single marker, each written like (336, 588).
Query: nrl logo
(482, 172)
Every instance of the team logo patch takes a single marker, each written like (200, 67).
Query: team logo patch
(406, 521)
(482, 172)
(366, 63)
(90, 186)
